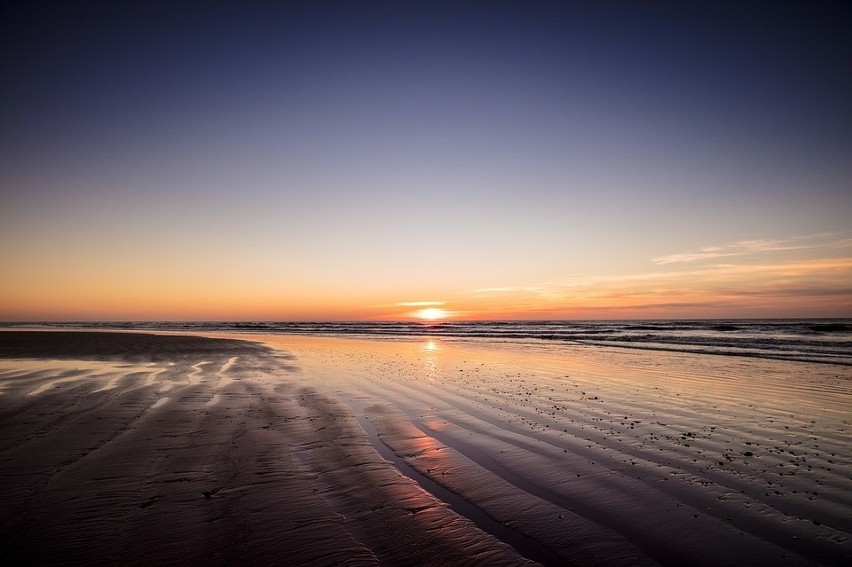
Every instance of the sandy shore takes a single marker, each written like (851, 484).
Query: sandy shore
(128, 448)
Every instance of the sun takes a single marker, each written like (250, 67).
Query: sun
(431, 314)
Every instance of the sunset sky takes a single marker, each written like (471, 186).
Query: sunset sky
(367, 160)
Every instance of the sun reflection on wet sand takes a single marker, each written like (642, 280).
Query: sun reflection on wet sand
(430, 352)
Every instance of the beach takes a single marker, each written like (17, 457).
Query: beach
(166, 448)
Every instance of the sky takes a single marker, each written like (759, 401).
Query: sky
(319, 160)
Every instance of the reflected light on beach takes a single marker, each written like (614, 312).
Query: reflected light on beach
(435, 425)
(425, 445)
(430, 349)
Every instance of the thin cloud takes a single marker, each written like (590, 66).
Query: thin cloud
(755, 285)
(510, 289)
(824, 241)
(419, 303)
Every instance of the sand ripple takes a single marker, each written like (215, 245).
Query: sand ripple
(243, 462)
(614, 457)
(126, 448)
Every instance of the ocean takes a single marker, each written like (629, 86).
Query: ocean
(808, 340)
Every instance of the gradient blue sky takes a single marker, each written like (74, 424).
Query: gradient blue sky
(338, 160)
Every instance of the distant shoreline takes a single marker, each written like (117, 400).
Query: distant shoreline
(827, 341)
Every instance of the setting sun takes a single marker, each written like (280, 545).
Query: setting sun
(431, 314)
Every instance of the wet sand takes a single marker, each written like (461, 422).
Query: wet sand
(125, 448)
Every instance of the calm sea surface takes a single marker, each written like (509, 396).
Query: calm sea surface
(812, 340)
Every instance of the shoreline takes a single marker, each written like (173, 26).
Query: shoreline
(648, 465)
(822, 341)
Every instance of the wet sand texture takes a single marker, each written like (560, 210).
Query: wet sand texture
(130, 448)
(165, 450)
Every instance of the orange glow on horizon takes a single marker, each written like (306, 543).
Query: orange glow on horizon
(792, 287)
